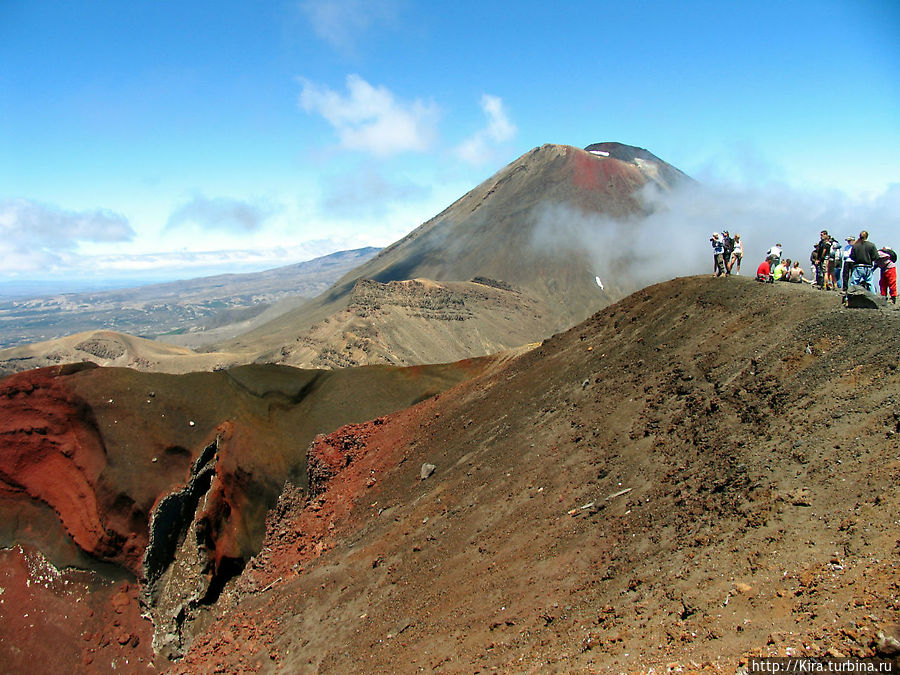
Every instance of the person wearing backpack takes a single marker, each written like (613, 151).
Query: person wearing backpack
(887, 263)
(718, 255)
(819, 258)
(728, 245)
(773, 255)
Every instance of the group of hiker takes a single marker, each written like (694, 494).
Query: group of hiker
(727, 252)
(835, 266)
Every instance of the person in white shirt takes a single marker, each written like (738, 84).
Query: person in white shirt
(773, 255)
(736, 255)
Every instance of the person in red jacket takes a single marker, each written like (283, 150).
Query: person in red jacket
(888, 280)
(764, 271)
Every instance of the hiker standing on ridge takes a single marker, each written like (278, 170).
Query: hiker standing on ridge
(887, 263)
(834, 256)
(820, 258)
(737, 254)
(728, 243)
(846, 263)
(718, 255)
(863, 254)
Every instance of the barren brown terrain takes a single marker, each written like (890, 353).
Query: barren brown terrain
(703, 472)
(699, 472)
(125, 494)
(109, 348)
(190, 312)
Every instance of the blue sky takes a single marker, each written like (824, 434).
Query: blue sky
(152, 139)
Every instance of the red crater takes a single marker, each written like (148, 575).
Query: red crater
(54, 454)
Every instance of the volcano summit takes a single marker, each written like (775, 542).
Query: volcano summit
(504, 260)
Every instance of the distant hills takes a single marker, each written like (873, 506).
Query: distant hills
(181, 306)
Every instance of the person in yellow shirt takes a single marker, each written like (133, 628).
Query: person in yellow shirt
(781, 270)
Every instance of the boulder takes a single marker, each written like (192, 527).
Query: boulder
(859, 298)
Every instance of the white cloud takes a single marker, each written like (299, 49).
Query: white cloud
(342, 22)
(368, 193)
(479, 147)
(70, 270)
(370, 119)
(42, 237)
(217, 261)
(222, 214)
(499, 127)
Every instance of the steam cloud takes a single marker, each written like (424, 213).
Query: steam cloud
(673, 240)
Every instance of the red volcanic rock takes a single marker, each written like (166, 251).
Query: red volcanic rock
(341, 466)
(53, 453)
(169, 478)
(329, 455)
(617, 180)
(68, 621)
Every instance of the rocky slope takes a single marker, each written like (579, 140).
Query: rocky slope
(419, 321)
(157, 486)
(703, 472)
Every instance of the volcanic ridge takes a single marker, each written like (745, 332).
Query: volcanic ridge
(669, 482)
(698, 472)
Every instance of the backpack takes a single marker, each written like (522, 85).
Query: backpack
(892, 254)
